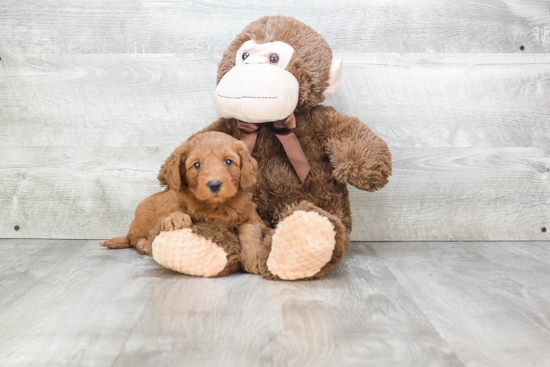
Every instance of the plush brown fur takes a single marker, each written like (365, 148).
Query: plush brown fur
(190, 200)
(226, 239)
(340, 149)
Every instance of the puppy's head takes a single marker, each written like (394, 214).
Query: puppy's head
(213, 166)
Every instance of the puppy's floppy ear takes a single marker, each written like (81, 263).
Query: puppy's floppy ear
(249, 168)
(175, 170)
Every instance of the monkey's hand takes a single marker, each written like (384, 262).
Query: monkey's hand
(361, 175)
(357, 155)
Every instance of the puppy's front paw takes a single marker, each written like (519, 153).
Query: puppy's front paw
(144, 246)
(177, 220)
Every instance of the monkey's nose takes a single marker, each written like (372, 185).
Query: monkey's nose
(255, 59)
(214, 185)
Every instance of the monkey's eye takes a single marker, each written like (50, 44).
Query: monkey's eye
(273, 58)
(197, 165)
(228, 162)
(245, 55)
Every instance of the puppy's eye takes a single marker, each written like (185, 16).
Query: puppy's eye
(228, 162)
(273, 58)
(245, 55)
(197, 165)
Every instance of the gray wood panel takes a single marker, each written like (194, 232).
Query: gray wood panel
(105, 100)
(386, 304)
(75, 192)
(411, 100)
(532, 272)
(357, 316)
(444, 194)
(487, 314)
(69, 304)
(101, 307)
(449, 100)
(459, 194)
(17, 258)
(56, 27)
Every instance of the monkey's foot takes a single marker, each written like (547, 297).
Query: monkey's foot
(302, 244)
(189, 252)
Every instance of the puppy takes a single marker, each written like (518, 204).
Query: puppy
(211, 180)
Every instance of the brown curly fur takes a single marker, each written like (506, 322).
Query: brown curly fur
(340, 149)
(190, 200)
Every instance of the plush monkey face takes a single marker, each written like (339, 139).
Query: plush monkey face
(259, 88)
(269, 80)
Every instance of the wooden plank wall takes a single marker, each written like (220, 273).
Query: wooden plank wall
(95, 95)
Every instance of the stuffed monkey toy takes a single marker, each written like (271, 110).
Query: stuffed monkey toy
(271, 81)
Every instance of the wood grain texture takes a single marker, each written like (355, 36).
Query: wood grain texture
(17, 274)
(105, 100)
(486, 312)
(385, 304)
(459, 194)
(75, 192)
(411, 100)
(359, 295)
(69, 304)
(56, 27)
(532, 272)
(450, 100)
(190, 321)
(103, 307)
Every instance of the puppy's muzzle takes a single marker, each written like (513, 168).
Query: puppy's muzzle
(214, 185)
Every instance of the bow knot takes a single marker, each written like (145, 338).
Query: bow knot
(282, 130)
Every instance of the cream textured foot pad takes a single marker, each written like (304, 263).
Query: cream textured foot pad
(302, 244)
(188, 253)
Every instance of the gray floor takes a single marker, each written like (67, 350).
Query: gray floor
(72, 303)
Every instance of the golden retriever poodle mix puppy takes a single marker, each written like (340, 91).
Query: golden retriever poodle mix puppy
(211, 183)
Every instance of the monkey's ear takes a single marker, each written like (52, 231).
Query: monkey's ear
(175, 171)
(334, 77)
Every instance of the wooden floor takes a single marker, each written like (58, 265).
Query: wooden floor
(74, 303)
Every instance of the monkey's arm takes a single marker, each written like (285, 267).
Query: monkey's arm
(228, 126)
(357, 155)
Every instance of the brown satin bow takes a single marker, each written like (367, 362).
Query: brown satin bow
(288, 139)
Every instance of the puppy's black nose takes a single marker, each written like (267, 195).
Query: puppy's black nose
(214, 185)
